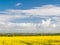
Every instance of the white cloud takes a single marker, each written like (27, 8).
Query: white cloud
(53, 25)
(17, 27)
(7, 18)
(48, 23)
(45, 26)
(45, 10)
(18, 4)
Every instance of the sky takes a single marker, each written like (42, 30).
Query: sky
(29, 16)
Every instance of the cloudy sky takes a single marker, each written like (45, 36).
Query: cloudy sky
(29, 16)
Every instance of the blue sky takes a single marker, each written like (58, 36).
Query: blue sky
(26, 4)
(29, 16)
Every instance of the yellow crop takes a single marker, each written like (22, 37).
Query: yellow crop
(30, 40)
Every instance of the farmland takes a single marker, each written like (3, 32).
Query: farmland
(30, 40)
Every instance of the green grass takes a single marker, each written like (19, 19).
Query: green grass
(29, 34)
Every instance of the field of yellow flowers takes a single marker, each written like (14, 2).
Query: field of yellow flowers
(30, 40)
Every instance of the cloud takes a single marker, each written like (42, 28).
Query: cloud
(17, 28)
(48, 23)
(18, 4)
(47, 14)
(43, 27)
(45, 10)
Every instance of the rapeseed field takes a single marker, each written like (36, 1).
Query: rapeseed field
(30, 40)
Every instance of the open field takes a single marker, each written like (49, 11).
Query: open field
(30, 40)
